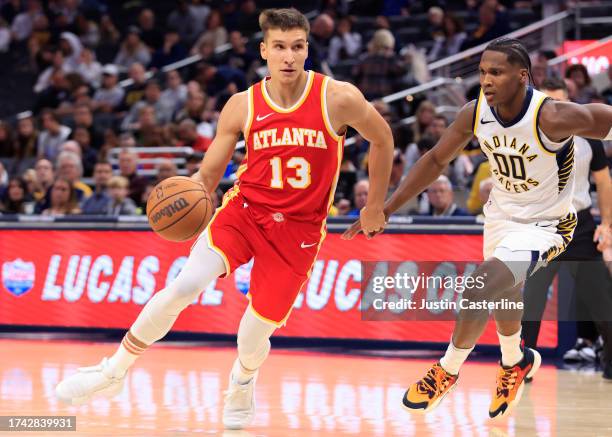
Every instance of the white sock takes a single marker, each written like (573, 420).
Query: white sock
(240, 374)
(510, 348)
(454, 358)
(125, 355)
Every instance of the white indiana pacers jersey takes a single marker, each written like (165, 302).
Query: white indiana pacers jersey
(534, 177)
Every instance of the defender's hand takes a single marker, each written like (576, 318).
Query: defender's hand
(353, 230)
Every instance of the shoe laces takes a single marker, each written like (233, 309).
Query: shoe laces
(434, 382)
(506, 380)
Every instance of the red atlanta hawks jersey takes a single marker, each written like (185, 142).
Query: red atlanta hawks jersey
(293, 154)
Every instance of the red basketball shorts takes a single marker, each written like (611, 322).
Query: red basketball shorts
(284, 252)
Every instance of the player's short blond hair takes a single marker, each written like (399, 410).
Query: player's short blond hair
(283, 19)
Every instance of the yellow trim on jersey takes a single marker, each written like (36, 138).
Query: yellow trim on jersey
(228, 196)
(477, 114)
(249, 120)
(535, 127)
(324, 111)
(296, 105)
(265, 319)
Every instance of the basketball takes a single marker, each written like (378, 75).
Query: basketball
(179, 208)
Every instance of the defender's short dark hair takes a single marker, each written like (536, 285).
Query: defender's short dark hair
(283, 19)
(553, 84)
(514, 50)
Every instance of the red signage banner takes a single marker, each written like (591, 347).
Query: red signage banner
(596, 60)
(101, 279)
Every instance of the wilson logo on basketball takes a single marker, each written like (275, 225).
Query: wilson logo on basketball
(170, 210)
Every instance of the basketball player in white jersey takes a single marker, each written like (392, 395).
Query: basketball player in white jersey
(529, 219)
(281, 238)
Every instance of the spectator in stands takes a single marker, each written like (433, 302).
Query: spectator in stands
(175, 94)
(474, 202)
(89, 156)
(110, 95)
(185, 21)
(378, 72)
(128, 161)
(492, 24)
(83, 118)
(240, 57)
(200, 10)
(189, 136)
(321, 31)
(248, 18)
(435, 22)
(132, 50)
(437, 127)
(63, 199)
(194, 107)
(152, 98)
(221, 81)
(7, 140)
(87, 30)
(135, 91)
(578, 74)
(45, 175)
(451, 41)
(171, 51)
(5, 36)
(149, 33)
(572, 89)
(441, 199)
(192, 163)
(418, 149)
(52, 135)
(99, 201)
(346, 44)
(360, 197)
(55, 94)
(70, 167)
(23, 23)
(425, 114)
(89, 68)
(397, 171)
(27, 136)
(215, 34)
(29, 177)
(120, 203)
(14, 197)
(166, 168)
(71, 46)
(109, 35)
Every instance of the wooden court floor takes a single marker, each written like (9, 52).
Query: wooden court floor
(178, 390)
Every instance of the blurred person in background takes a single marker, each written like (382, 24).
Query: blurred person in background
(150, 34)
(52, 135)
(7, 140)
(27, 136)
(98, 202)
(215, 34)
(128, 163)
(441, 199)
(120, 203)
(360, 197)
(346, 44)
(451, 40)
(175, 94)
(15, 198)
(578, 74)
(185, 21)
(425, 115)
(166, 168)
(63, 199)
(132, 50)
(110, 95)
(70, 167)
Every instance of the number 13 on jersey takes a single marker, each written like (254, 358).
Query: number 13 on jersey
(302, 172)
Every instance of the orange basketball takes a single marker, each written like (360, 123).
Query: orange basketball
(179, 208)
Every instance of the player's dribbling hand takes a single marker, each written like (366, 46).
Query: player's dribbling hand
(371, 222)
(603, 237)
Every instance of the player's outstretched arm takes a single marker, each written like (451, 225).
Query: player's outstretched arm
(559, 120)
(348, 107)
(431, 165)
(231, 121)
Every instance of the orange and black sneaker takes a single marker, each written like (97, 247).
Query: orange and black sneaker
(425, 394)
(511, 382)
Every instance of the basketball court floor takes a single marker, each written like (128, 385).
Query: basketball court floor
(177, 389)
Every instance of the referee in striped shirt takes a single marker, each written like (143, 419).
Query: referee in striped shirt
(593, 285)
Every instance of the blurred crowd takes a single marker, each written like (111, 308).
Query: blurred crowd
(104, 101)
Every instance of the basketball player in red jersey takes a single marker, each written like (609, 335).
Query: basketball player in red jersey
(293, 123)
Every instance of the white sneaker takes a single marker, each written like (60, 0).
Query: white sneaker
(88, 382)
(239, 407)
